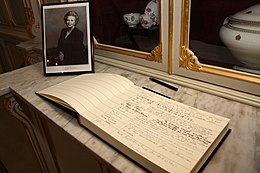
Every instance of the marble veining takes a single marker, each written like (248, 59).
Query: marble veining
(239, 153)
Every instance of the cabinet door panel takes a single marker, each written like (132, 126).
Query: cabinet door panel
(70, 155)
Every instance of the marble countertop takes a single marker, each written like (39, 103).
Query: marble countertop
(240, 152)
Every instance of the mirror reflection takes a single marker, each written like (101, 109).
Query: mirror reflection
(128, 24)
(18, 16)
(226, 34)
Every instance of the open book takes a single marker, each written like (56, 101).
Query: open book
(159, 133)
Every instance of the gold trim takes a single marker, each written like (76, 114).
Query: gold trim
(170, 37)
(235, 21)
(241, 29)
(189, 60)
(29, 16)
(39, 3)
(119, 50)
(7, 104)
(30, 20)
(8, 13)
(231, 74)
(155, 55)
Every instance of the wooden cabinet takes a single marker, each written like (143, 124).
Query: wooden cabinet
(56, 150)
(17, 147)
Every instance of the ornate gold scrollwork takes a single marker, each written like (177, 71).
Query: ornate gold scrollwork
(28, 60)
(30, 20)
(156, 54)
(31, 57)
(7, 103)
(189, 60)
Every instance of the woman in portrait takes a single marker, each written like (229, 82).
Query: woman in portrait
(70, 44)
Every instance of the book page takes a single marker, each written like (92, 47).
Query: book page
(145, 126)
(91, 93)
(171, 135)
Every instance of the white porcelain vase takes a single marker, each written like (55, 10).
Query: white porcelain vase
(241, 34)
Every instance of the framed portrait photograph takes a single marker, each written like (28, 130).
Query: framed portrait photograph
(67, 38)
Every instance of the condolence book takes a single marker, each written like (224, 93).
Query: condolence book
(161, 134)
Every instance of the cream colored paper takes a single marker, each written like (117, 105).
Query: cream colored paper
(159, 133)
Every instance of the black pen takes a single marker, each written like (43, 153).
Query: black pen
(156, 92)
(163, 84)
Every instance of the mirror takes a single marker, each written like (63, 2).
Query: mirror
(3, 15)
(128, 27)
(9, 16)
(203, 42)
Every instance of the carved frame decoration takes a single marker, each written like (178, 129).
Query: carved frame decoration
(155, 55)
(189, 60)
(33, 17)
(30, 20)
(29, 16)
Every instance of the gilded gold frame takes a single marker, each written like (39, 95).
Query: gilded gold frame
(10, 14)
(170, 36)
(189, 60)
(155, 55)
(29, 16)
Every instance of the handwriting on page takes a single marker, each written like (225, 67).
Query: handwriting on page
(171, 135)
(158, 129)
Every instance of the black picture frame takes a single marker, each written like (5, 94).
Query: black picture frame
(67, 38)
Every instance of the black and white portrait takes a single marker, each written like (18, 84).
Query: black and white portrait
(67, 39)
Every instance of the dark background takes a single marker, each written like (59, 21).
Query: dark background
(207, 16)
